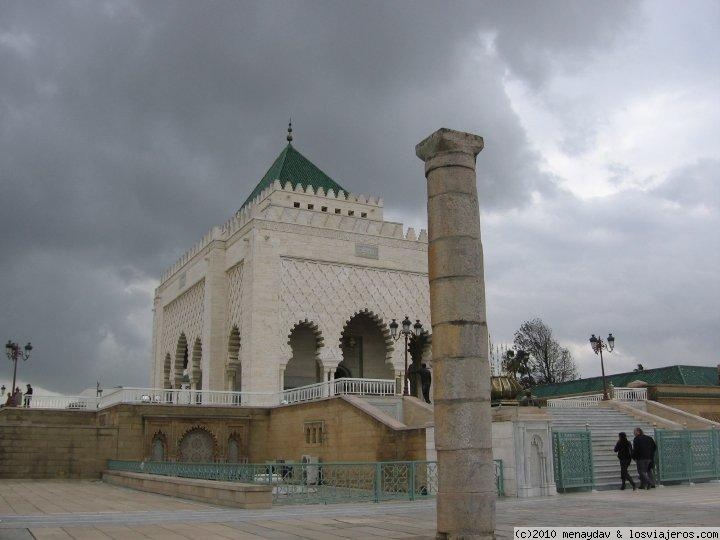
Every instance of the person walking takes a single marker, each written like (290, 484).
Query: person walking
(644, 454)
(623, 449)
(28, 396)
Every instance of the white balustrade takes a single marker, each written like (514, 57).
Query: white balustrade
(64, 402)
(364, 387)
(630, 394)
(575, 402)
(618, 394)
(161, 396)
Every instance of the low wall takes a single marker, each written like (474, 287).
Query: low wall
(52, 443)
(208, 491)
(58, 444)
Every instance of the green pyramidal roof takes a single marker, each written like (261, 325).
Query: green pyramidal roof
(291, 166)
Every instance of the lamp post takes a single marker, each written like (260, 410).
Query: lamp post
(408, 329)
(598, 345)
(14, 353)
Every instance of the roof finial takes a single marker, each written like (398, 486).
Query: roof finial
(289, 135)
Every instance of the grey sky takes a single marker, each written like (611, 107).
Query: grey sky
(128, 129)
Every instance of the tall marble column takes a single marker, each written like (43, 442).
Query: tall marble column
(463, 422)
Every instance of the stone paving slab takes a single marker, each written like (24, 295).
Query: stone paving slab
(88, 510)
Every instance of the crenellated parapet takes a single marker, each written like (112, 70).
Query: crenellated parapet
(306, 206)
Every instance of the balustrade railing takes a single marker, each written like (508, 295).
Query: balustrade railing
(593, 400)
(161, 396)
(63, 402)
(575, 402)
(630, 394)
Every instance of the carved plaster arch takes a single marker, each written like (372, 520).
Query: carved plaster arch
(160, 436)
(384, 329)
(317, 334)
(182, 355)
(167, 370)
(195, 362)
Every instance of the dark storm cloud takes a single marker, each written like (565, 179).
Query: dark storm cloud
(127, 129)
(641, 265)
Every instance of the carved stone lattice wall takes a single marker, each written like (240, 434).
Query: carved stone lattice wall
(184, 314)
(330, 294)
(236, 291)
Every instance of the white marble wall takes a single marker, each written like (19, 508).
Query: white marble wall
(291, 263)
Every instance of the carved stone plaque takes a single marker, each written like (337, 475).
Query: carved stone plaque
(367, 251)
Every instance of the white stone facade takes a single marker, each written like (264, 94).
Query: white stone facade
(298, 280)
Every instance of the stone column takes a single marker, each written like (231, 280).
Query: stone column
(463, 422)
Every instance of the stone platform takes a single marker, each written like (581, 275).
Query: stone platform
(233, 494)
(91, 509)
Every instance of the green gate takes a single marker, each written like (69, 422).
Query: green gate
(687, 455)
(572, 459)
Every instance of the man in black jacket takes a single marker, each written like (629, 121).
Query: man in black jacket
(644, 454)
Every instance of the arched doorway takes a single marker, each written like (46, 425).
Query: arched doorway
(304, 366)
(366, 347)
(181, 361)
(197, 446)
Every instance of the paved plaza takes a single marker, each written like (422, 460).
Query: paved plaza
(58, 509)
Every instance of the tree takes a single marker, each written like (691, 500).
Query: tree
(516, 363)
(548, 361)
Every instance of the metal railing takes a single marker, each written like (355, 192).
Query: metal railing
(687, 455)
(573, 459)
(161, 396)
(593, 400)
(315, 483)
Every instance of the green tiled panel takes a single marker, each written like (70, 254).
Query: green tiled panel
(685, 375)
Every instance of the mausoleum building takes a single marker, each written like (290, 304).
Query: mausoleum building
(298, 287)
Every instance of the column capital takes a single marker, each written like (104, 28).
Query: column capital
(448, 141)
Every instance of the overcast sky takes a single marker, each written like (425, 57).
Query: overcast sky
(128, 129)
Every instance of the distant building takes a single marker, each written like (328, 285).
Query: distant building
(695, 389)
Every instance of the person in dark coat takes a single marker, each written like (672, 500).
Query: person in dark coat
(644, 454)
(426, 381)
(623, 449)
(28, 396)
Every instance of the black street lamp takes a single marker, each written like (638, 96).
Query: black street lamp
(598, 345)
(14, 353)
(408, 329)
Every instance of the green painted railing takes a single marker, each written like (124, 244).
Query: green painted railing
(573, 460)
(687, 455)
(315, 483)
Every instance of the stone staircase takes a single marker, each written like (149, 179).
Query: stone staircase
(604, 423)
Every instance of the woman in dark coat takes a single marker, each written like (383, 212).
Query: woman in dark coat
(623, 449)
